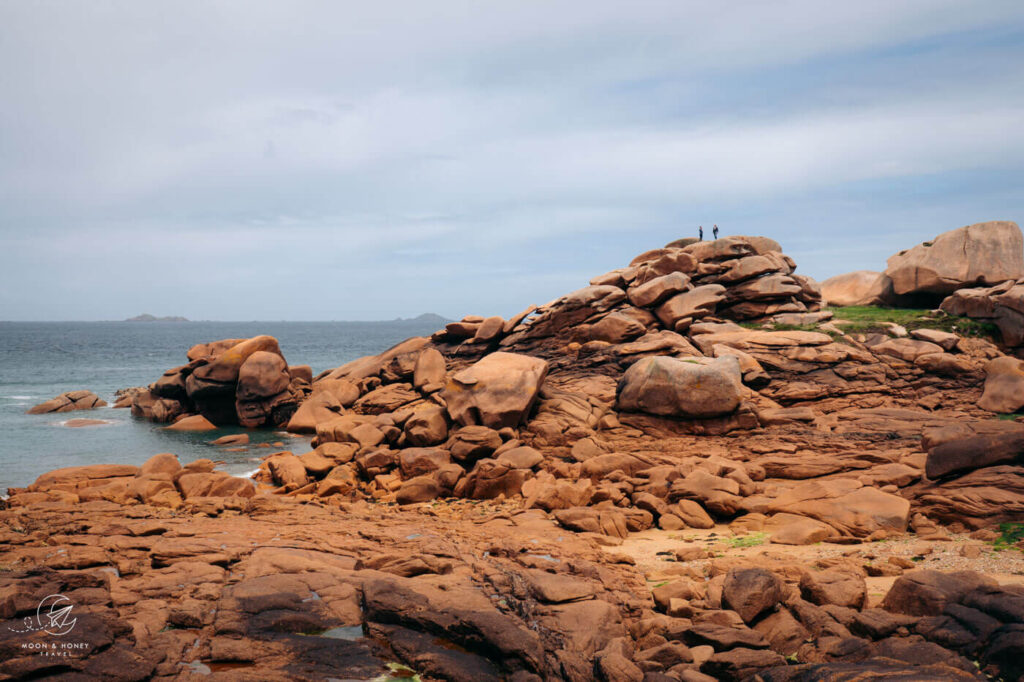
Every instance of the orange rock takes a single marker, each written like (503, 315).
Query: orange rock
(164, 463)
(195, 422)
(497, 391)
(69, 402)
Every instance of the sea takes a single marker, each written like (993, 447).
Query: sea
(40, 360)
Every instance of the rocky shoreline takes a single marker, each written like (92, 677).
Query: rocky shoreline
(483, 504)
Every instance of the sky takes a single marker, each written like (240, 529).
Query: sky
(336, 160)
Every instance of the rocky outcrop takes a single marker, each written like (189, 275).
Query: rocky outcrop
(233, 381)
(69, 402)
(863, 287)
(472, 499)
(1001, 305)
(740, 278)
(985, 253)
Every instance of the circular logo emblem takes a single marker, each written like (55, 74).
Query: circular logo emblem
(54, 615)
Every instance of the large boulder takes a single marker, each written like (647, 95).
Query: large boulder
(959, 448)
(671, 387)
(927, 593)
(69, 402)
(861, 287)
(985, 253)
(262, 375)
(497, 391)
(679, 311)
(319, 407)
(751, 591)
(846, 505)
(262, 396)
(1004, 385)
(212, 386)
(429, 370)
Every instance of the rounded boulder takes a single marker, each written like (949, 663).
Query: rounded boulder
(670, 387)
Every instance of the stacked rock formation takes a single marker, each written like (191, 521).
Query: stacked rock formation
(234, 381)
(736, 278)
(541, 445)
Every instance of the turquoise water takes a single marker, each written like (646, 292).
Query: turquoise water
(39, 360)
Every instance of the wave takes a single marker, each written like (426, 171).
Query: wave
(18, 397)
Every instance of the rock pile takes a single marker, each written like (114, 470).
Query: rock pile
(735, 278)
(542, 444)
(234, 381)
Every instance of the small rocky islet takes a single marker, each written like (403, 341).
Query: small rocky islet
(688, 470)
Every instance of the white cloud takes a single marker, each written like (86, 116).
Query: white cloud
(358, 134)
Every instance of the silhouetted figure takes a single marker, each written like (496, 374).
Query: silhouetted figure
(700, 232)
(714, 231)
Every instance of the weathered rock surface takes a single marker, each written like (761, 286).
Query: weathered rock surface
(862, 287)
(473, 500)
(498, 391)
(668, 386)
(985, 253)
(69, 402)
(1004, 385)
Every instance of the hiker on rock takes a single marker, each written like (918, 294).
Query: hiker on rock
(714, 231)
(700, 233)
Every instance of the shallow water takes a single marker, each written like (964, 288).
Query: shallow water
(39, 360)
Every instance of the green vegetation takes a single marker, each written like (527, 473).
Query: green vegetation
(868, 319)
(872, 318)
(751, 540)
(1010, 535)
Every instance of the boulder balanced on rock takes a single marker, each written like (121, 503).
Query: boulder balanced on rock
(247, 383)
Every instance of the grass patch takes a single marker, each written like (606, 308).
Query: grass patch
(868, 319)
(751, 540)
(865, 319)
(1009, 535)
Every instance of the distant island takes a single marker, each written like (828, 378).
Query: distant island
(433, 318)
(146, 317)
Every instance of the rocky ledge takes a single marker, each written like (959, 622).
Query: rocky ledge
(683, 471)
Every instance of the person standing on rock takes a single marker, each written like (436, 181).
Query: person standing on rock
(714, 231)
(700, 233)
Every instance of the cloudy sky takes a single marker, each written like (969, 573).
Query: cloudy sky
(351, 160)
